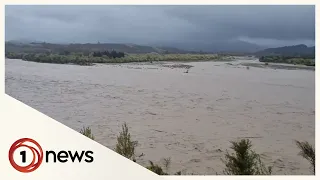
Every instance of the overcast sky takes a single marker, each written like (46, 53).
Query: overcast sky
(263, 25)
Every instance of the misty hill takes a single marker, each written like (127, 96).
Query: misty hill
(219, 46)
(37, 47)
(295, 51)
(214, 46)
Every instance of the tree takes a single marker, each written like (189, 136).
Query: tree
(108, 54)
(121, 54)
(114, 54)
(66, 53)
(97, 54)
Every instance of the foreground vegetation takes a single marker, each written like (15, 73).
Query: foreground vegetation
(243, 160)
(308, 152)
(304, 60)
(111, 57)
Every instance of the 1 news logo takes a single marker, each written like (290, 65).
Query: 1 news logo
(26, 155)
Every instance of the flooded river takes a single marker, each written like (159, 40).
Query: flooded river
(189, 117)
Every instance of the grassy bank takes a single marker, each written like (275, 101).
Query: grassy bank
(81, 59)
(308, 61)
(279, 66)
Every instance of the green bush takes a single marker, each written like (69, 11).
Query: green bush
(125, 146)
(244, 161)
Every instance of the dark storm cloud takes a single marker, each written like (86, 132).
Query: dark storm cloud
(275, 22)
(152, 24)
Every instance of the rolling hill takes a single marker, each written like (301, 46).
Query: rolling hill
(295, 51)
(42, 47)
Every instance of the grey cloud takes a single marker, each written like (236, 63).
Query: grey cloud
(152, 24)
(278, 22)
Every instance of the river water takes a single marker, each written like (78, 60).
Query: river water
(189, 117)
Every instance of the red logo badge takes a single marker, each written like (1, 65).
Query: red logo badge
(37, 154)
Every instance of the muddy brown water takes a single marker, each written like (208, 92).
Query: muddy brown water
(189, 117)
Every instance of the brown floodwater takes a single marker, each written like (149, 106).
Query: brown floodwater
(189, 117)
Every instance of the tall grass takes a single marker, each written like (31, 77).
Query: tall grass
(156, 168)
(86, 131)
(307, 152)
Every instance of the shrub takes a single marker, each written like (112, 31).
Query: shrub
(156, 168)
(307, 152)
(125, 146)
(166, 163)
(86, 131)
(245, 161)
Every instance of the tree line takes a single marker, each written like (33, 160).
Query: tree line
(303, 60)
(89, 58)
(67, 57)
(112, 54)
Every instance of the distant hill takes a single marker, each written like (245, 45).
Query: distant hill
(219, 46)
(211, 46)
(41, 47)
(296, 51)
